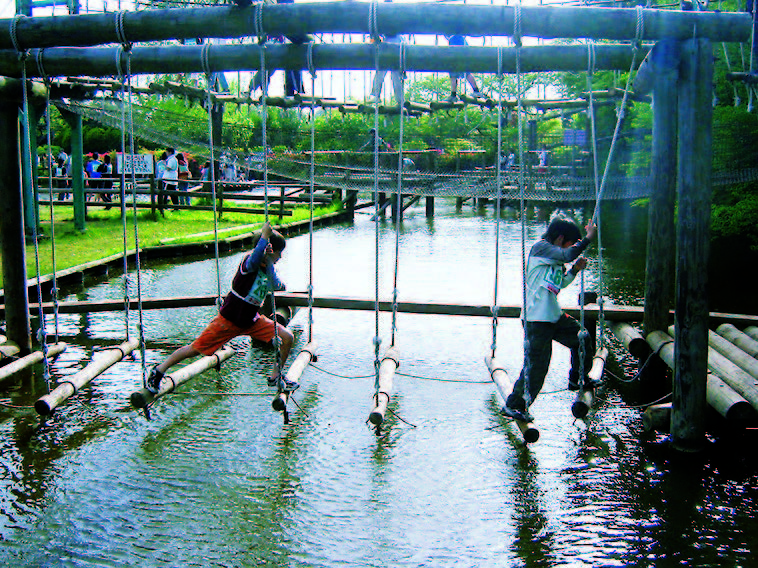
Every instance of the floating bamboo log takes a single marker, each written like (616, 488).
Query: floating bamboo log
(355, 18)
(752, 331)
(657, 418)
(68, 387)
(390, 362)
(738, 338)
(503, 383)
(31, 359)
(724, 399)
(631, 339)
(733, 353)
(143, 397)
(303, 359)
(585, 398)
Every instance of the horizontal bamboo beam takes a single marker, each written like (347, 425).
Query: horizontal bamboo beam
(744, 361)
(355, 17)
(585, 398)
(71, 384)
(631, 339)
(103, 61)
(8, 349)
(720, 395)
(303, 359)
(170, 381)
(389, 364)
(299, 299)
(31, 359)
(504, 385)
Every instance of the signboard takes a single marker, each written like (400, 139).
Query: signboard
(142, 163)
(574, 137)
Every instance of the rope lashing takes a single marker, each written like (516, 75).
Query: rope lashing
(258, 21)
(14, 35)
(373, 23)
(640, 27)
(120, 28)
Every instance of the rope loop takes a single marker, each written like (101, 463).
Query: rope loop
(309, 59)
(41, 67)
(640, 28)
(121, 29)
(517, 25)
(205, 59)
(120, 71)
(373, 24)
(14, 36)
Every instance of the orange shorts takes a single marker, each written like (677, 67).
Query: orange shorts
(221, 330)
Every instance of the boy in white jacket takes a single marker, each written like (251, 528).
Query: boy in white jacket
(544, 321)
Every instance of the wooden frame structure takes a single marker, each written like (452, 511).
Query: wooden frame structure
(56, 45)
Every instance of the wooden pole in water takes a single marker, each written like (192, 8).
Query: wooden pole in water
(31, 359)
(12, 245)
(720, 396)
(303, 359)
(66, 388)
(693, 240)
(503, 383)
(738, 338)
(585, 398)
(143, 397)
(659, 270)
(390, 362)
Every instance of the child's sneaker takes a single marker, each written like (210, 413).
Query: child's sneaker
(286, 385)
(588, 384)
(274, 380)
(520, 415)
(154, 380)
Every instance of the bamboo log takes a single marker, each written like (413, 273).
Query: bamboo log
(71, 385)
(504, 385)
(8, 349)
(752, 331)
(736, 355)
(31, 359)
(303, 359)
(740, 339)
(585, 398)
(631, 339)
(354, 17)
(657, 418)
(721, 396)
(236, 57)
(143, 397)
(390, 362)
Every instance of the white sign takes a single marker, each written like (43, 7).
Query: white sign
(143, 163)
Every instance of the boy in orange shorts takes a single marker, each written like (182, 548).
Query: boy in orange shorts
(239, 314)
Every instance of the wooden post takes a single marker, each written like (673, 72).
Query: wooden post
(585, 398)
(70, 385)
(693, 240)
(31, 359)
(143, 397)
(504, 384)
(390, 362)
(429, 206)
(303, 359)
(664, 58)
(12, 245)
(77, 169)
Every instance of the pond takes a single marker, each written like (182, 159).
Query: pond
(217, 479)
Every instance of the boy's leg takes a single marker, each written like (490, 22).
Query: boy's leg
(263, 330)
(538, 337)
(177, 357)
(567, 334)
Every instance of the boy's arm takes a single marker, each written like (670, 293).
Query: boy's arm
(256, 255)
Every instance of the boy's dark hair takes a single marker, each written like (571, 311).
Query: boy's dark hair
(558, 227)
(277, 240)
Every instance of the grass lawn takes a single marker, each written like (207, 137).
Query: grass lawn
(105, 233)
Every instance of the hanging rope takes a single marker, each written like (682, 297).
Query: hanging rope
(311, 188)
(140, 324)
(498, 169)
(399, 196)
(373, 29)
(205, 60)
(123, 190)
(48, 133)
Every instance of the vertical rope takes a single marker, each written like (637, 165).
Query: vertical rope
(498, 182)
(123, 190)
(377, 339)
(311, 188)
(48, 133)
(205, 60)
(399, 195)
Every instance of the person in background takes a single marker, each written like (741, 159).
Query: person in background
(105, 169)
(184, 176)
(460, 40)
(171, 177)
(543, 319)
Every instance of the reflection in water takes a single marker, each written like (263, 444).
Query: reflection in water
(220, 481)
